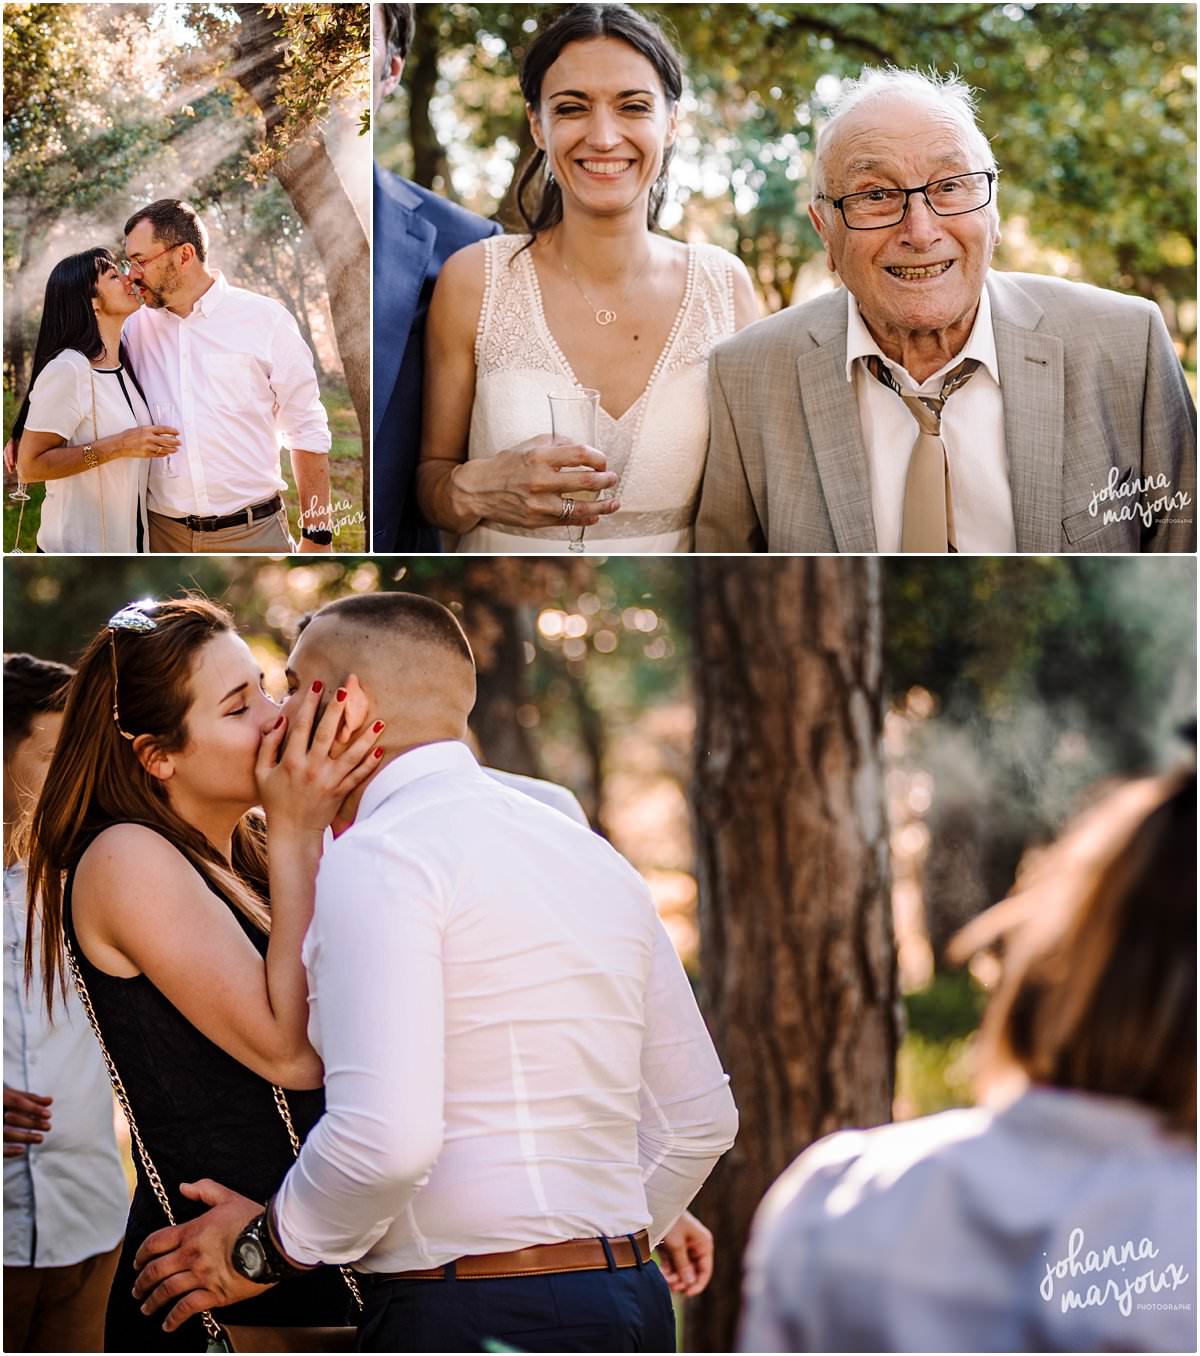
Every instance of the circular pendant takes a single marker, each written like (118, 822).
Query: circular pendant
(605, 317)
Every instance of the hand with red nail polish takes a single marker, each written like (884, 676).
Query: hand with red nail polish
(327, 756)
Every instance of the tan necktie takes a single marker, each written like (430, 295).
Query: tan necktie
(928, 505)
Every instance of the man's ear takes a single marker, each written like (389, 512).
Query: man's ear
(357, 704)
(395, 69)
(159, 765)
(820, 227)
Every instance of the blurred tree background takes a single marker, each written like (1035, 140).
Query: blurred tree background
(1012, 690)
(1091, 109)
(254, 114)
(1013, 687)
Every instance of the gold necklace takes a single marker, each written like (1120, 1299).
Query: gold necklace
(604, 315)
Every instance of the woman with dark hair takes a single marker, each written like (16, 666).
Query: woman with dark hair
(84, 426)
(150, 872)
(1059, 1214)
(590, 299)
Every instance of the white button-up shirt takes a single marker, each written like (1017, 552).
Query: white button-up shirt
(512, 1051)
(64, 1199)
(971, 1231)
(972, 430)
(242, 382)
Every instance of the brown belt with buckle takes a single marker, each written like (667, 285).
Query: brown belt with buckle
(242, 518)
(576, 1254)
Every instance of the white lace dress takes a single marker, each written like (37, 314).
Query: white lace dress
(658, 445)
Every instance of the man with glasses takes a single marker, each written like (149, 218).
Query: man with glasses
(229, 369)
(932, 404)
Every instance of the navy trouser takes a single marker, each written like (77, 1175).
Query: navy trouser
(619, 1310)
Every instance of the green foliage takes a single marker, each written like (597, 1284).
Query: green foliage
(949, 1008)
(933, 1070)
(326, 58)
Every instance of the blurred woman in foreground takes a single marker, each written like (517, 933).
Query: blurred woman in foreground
(1059, 1215)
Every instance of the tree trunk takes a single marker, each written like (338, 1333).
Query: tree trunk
(311, 181)
(500, 632)
(421, 76)
(797, 954)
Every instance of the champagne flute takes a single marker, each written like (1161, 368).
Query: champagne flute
(164, 412)
(573, 419)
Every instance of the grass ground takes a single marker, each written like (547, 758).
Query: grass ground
(345, 472)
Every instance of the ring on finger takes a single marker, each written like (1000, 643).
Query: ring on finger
(568, 508)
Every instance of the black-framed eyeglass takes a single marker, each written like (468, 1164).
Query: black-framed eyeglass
(878, 208)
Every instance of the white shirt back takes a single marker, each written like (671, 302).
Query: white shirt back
(512, 1051)
(972, 430)
(243, 382)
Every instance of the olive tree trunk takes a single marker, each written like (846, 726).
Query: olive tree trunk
(308, 176)
(798, 960)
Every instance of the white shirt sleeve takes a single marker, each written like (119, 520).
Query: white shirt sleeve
(374, 960)
(299, 414)
(55, 403)
(688, 1117)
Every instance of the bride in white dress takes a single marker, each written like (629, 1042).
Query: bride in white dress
(590, 298)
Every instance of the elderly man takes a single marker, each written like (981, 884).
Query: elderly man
(240, 377)
(932, 404)
(415, 233)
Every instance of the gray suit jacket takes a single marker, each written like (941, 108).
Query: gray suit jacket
(1090, 382)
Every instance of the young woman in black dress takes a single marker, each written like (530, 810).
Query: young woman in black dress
(149, 861)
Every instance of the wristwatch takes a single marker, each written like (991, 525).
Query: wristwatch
(319, 536)
(257, 1255)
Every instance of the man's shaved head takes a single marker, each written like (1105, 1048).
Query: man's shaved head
(409, 654)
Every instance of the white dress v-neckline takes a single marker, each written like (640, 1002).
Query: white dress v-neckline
(664, 353)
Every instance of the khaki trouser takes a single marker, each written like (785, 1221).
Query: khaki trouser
(269, 536)
(58, 1308)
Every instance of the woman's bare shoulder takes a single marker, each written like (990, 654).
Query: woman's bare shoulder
(133, 856)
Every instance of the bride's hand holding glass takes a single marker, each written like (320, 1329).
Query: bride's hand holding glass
(528, 485)
(306, 767)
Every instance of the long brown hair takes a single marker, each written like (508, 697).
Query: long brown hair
(96, 779)
(1098, 991)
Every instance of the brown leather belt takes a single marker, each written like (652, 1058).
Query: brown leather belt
(576, 1254)
(242, 518)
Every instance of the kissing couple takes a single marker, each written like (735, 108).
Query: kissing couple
(158, 400)
(415, 1006)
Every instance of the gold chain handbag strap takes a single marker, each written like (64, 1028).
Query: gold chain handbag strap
(212, 1327)
(285, 1115)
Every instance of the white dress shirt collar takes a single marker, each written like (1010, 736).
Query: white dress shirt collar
(208, 301)
(981, 345)
(447, 755)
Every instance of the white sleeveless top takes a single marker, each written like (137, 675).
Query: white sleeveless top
(657, 447)
(103, 509)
